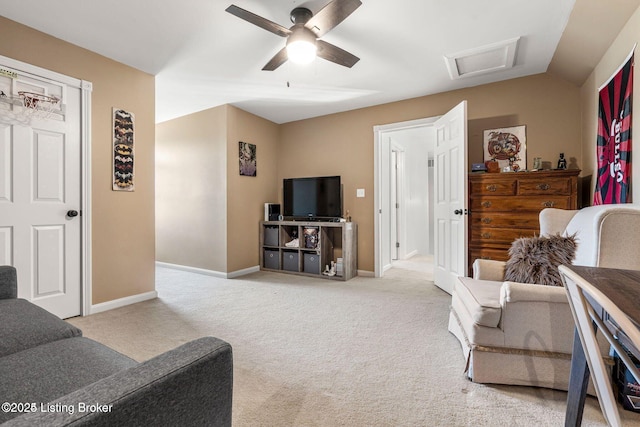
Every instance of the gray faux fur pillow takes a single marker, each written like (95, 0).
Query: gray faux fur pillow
(536, 259)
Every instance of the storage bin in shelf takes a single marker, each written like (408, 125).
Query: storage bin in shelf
(271, 259)
(290, 260)
(272, 235)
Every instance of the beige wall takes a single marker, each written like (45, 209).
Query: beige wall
(123, 248)
(612, 59)
(342, 144)
(191, 190)
(207, 213)
(247, 195)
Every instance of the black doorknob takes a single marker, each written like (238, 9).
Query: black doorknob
(458, 212)
(72, 213)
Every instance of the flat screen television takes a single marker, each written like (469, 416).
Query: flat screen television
(317, 198)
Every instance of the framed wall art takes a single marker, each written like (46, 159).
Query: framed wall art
(507, 146)
(247, 156)
(123, 153)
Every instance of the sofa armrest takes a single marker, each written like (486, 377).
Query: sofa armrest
(485, 269)
(8, 282)
(521, 292)
(190, 385)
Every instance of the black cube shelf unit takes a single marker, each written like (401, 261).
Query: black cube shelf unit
(319, 243)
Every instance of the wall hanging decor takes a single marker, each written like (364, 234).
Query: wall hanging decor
(507, 146)
(247, 159)
(123, 153)
(613, 147)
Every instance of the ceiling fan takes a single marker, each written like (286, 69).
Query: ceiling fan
(303, 42)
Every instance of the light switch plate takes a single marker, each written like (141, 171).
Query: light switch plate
(360, 192)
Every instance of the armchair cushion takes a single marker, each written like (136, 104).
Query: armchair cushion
(536, 259)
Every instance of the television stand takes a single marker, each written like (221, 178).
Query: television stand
(319, 243)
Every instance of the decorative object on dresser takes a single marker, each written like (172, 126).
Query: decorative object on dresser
(505, 207)
(507, 146)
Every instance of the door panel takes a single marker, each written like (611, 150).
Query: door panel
(49, 168)
(48, 250)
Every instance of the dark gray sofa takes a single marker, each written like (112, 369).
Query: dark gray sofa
(50, 375)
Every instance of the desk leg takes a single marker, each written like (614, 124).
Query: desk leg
(578, 383)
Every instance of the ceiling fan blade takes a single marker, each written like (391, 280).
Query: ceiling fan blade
(331, 15)
(259, 21)
(279, 59)
(335, 54)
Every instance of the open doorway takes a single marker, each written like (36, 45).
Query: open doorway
(404, 196)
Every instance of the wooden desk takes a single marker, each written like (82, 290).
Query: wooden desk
(622, 287)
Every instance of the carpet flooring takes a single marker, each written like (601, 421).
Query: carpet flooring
(314, 352)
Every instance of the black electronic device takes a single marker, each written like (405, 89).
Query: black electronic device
(312, 199)
(271, 212)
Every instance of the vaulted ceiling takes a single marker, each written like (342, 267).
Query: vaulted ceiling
(204, 57)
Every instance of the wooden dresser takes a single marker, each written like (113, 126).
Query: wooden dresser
(505, 206)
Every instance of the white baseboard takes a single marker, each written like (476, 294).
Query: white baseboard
(121, 302)
(243, 272)
(411, 254)
(206, 272)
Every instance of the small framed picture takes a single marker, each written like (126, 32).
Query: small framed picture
(507, 146)
(247, 159)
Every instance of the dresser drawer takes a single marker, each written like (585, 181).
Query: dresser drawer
(490, 254)
(554, 186)
(500, 204)
(503, 187)
(488, 235)
(503, 219)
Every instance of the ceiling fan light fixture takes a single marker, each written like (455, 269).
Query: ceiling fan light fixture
(301, 46)
(301, 52)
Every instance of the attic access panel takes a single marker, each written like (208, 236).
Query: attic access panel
(483, 60)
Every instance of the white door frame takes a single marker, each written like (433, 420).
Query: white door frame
(85, 166)
(378, 138)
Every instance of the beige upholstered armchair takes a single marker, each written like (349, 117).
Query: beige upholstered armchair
(517, 333)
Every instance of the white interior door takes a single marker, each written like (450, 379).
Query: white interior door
(40, 191)
(450, 154)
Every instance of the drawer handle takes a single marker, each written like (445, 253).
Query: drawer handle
(543, 186)
(486, 204)
(548, 204)
(486, 235)
(486, 220)
(492, 187)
